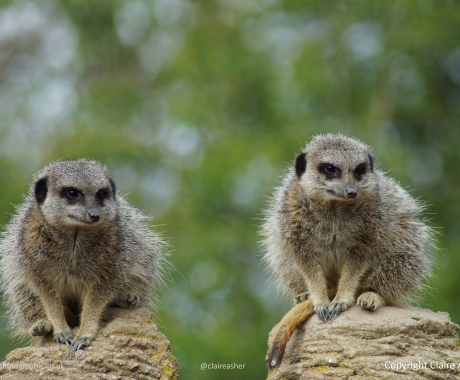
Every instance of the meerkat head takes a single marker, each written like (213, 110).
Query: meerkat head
(336, 167)
(76, 193)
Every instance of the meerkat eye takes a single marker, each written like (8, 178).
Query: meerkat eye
(102, 194)
(360, 170)
(70, 193)
(329, 169)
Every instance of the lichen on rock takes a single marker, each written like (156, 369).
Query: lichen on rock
(128, 346)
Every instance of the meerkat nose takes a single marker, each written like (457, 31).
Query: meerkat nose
(351, 194)
(93, 215)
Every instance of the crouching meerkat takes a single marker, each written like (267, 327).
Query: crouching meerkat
(74, 247)
(337, 232)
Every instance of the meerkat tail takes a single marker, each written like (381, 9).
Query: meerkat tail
(286, 327)
(293, 319)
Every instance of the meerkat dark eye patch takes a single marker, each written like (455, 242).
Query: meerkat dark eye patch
(330, 170)
(360, 170)
(71, 193)
(102, 194)
(300, 164)
(41, 190)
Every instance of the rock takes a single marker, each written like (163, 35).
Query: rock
(128, 346)
(389, 343)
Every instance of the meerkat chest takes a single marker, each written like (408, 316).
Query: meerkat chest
(70, 254)
(328, 234)
(330, 225)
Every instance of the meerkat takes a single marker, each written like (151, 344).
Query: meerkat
(338, 231)
(74, 247)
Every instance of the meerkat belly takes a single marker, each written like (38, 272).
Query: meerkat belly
(71, 286)
(74, 288)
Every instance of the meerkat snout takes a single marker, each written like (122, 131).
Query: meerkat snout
(93, 214)
(351, 194)
(351, 191)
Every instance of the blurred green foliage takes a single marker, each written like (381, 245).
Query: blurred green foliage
(197, 106)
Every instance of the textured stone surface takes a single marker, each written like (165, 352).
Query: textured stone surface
(390, 343)
(128, 346)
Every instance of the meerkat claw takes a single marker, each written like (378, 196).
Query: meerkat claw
(77, 344)
(365, 305)
(63, 339)
(301, 297)
(41, 328)
(323, 313)
(128, 301)
(133, 300)
(370, 301)
(335, 310)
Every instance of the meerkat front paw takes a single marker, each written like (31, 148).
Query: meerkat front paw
(370, 301)
(301, 297)
(322, 310)
(65, 337)
(79, 342)
(128, 301)
(41, 328)
(335, 308)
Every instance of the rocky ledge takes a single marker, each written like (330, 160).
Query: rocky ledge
(390, 343)
(128, 346)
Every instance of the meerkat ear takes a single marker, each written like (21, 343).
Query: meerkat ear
(371, 162)
(41, 190)
(112, 185)
(300, 164)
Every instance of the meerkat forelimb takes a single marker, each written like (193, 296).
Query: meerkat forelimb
(74, 247)
(337, 222)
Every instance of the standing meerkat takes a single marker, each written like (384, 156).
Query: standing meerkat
(338, 232)
(74, 247)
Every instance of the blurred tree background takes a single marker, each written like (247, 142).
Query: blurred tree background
(196, 107)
